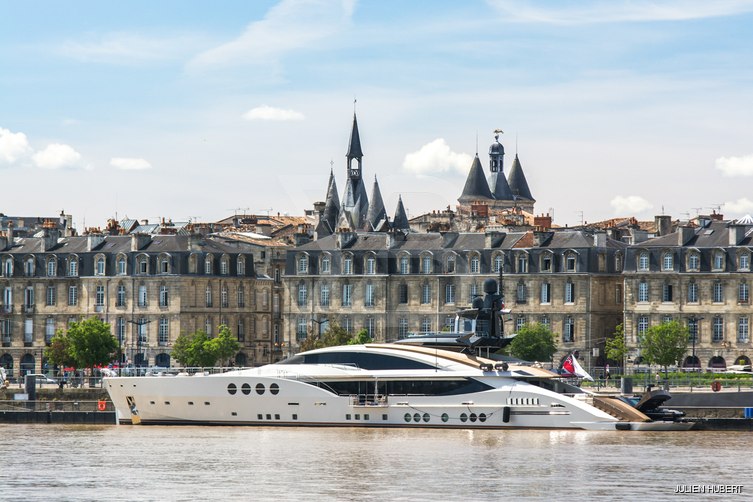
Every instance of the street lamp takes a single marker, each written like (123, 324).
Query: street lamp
(319, 322)
(696, 331)
(139, 323)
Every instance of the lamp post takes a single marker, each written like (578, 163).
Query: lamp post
(139, 323)
(319, 322)
(696, 331)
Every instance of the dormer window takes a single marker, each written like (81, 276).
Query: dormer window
(99, 267)
(371, 265)
(405, 264)
(522, 263)
(73, 267)
(303, 264)
(694, 261)
(241, 266)
(8, 267)
(326, 264)
(718, 260)
(348, 265)
(643, 261)
(667, 262)
(743, 262)
(450, 264)
(499, 261)
(208, 265)
(29, 267)
(475, 264)
(546, 263)
(570, 263)
(52, 267)
(224, 265)
(426, 264)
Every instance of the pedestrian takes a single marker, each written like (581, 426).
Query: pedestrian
(606, 373)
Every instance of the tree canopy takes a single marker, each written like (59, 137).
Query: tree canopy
(335, 335)
(200, 350)
(615, 346)
(85, 344)
(534, 342)
(665, 344)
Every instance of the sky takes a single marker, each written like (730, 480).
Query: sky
(198, 110)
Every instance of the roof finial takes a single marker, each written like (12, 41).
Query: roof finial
(331, 165)
(476, 142)
(354, 105)
(497, 132)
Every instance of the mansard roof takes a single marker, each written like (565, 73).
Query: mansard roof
(476, 187)
(517, 181)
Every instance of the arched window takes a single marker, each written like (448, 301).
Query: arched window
(643, 261)
(718, 260)
(73, 266)
(404, 264)
(208, 265)
(450, 264)
(426, 293)
(370, 265)
(29, 266)
(692, 292)
(224, 265)
(643, 291)
(326, 266)
(8, 267)
(122, 267)
(241, 267)
(499, 261)
(302, 294)
(347, 264)
(99, 266)
(142, 264)
(475, 264)
(426, 264)
(667, 262)
(52, 266)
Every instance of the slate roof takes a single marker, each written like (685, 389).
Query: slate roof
(517, 181)
(476, 187)
(354, 145)
(400, 221)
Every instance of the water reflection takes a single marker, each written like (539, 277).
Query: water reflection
(242, 463)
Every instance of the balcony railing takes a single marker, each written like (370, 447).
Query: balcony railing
(6, 309)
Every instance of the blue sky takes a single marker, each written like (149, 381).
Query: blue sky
(189, 109)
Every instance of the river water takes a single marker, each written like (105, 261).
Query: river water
(113, 463)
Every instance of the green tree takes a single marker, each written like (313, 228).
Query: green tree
(58, 352)
(194, 350)
(615, 346)
(224, 346)
(334, 336)
(665, 344)
(91, 343)
(534, 342)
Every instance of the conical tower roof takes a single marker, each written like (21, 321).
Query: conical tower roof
(354, 145)
(376, 216)
(331, 205)
(499, 186)
(476, 186)
(400, 221)
(517, 181)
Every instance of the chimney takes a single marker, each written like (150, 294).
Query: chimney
(539, 238)
(543, 222)
(344, 239)
(264, 229)
(600, 239)
(138, 241)
(492, 239)
(9, 233)
(93, 240)
(663, 224)
(736, 234)
(638, 235)
(684, 234)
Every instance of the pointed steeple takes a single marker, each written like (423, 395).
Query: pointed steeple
(517, 181)
(476, 187)
(376, 217)
(331, 208)
(354, 146)
(355, 202)
(400, 221)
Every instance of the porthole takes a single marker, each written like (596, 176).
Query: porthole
(233, 413)
(274, 389)
(260, 388)
(463, 417)
(416, 417)
(482, 417)
(407, 417)
(246, 389)
(445, 417)
(426, 417)
(473, 417)
(232, 389)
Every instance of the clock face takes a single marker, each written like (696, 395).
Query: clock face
(354, 172)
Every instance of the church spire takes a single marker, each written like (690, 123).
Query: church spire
(354, 150)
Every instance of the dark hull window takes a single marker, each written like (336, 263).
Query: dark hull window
(406, 387)
(364, 360)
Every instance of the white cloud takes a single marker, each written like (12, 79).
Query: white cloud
(289, 25)
(630, 204)
(735, 166)
(265, 112)
(742, 205)
(436, 157)
(130, 164)
(13, 146)
(127, 48)
(57, 156)
(611, 11)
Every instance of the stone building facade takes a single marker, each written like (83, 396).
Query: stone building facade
(393, 284)
(149, 288)
(700, 276)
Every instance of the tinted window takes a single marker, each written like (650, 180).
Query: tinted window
(367, 361)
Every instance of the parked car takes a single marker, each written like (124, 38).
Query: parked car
(43, 379)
